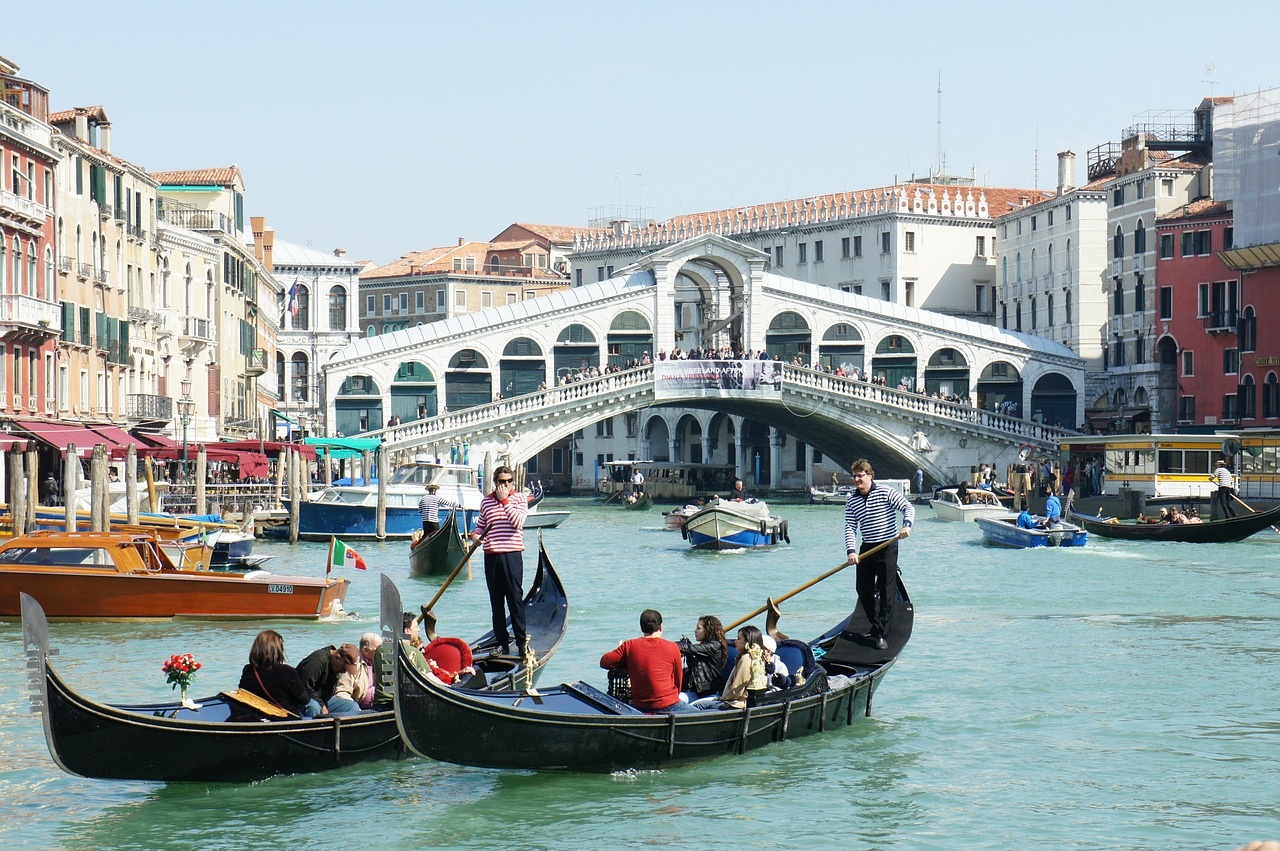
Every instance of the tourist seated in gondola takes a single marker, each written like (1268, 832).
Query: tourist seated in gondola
(774, 668)
(653, 665)
(704, 658)
(268, 676)
(354, 686)
(319, 670)
(1176, 516)
(384, 660)
(748, 681)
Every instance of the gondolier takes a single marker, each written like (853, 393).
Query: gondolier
(1223, 497)
(501, 527)
(429, 508)
(870, 518)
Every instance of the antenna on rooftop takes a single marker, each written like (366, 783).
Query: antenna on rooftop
(1209, 68)
(940, 158)
(1036, 165)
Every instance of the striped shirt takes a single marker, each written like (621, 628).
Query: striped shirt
(874, 516)
(502, 525)
(1223, 477)
(431, 505)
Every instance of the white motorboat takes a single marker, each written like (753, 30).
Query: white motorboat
(947, 505)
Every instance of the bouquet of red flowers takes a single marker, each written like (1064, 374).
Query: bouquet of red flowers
(180, 670)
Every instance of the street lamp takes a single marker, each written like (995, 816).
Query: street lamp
(186, 408)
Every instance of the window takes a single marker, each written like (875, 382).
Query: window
(910, 293)
(486, 299)
(1230, 411)
(1118, 299)
(1067, 307)
(1166, 246)
(1248, 399)
(1117, 243)
(1139, 296)
(1034, 318)
(844, 248)
(1139, 237)
(512, 298)
(1049, 306)
(460, 299)
(1117, 196)
(386, 304)
(911, 242)
(857, 246)
(457, 264)
(1166, 187)
(884, 242)
(420, 302)
(1017, 316)
(1140, 189)
(803, 254)
(1188, 363)
(440, 300)
(885, 290)
(1228, 238)
(471, 264)
(1117, 355)
(337, 309)
(1066, 211)
(1166, 302)
(1249, 331)
(1050, 222)
(404, 302)
(577, 277)
(1033, 224)
(1188, 243)
(1204, 242)
(1187, 409)
(1139, 354)
(817, 251)
(980, 303)
(981, 248)
(777, 252)
(1271, 397)
(604, 428)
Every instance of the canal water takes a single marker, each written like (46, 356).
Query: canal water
(1116, 696)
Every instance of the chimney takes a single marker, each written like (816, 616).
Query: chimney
(104, 137)
(1066, 172)
(82, 126)
(462, 240)
(339, 252)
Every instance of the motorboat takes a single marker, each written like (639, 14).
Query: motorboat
(1005, 532)
(949, 505)
(731, 524)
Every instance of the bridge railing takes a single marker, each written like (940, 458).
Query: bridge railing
(446, 425)
(1026, 429)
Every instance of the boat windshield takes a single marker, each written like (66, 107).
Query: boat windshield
(62, 556)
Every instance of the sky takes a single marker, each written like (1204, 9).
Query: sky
(384, 128)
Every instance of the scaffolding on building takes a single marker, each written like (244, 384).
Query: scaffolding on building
(1246, 164)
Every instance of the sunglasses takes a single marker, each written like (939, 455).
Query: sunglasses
(505, 481)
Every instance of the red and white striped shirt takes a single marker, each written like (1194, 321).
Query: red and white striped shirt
(502, 524)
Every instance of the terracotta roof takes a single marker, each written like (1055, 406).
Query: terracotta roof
(1201, 208)
(512, 244)
(429, 261)
(95, 112)
(554, 233)
(199, 176)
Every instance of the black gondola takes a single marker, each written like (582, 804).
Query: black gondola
(578, 727)
(166, 742)
(1205, 532)
(439, 552)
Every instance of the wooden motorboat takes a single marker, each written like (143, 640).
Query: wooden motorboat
(440, 552)
(579, 727)
(168, 742)
(1204, 532)
(729, 524)
(1005, 532)
(947, 505)
(121, 575)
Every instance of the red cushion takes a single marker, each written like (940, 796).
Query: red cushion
(451, 655)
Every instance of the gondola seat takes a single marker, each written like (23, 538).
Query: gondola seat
(796, 654)
(451, 655)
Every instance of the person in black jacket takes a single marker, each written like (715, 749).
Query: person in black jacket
(319, 671)
(268, 676)
(704, 660)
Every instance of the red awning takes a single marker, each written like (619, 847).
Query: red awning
(61, 435)
(250, 464)
(159, 440)
(8, 440)
(271, 448)
(118, 435)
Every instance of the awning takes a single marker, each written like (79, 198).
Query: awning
(155, 439)
(250, 464)
(119, 436)
(8, 440)
(271, 448)
(282, 415)
(61, 435)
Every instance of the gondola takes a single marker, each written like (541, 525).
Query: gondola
(643, 502)
(1206, 532)
(165, 742)
(578, 727)
(439, 552)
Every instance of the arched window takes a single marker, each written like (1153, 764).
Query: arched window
(1118, 298)
(1117, 243)
(1248, 399)
(1034, 270)
(1033, 314)
(1139, 238)
(1249, 330)
(299, 384)
(301, 309)
(1004, 270)
(32, 262)
(337, 308)
(1017, 261)
(1271, 397)
(1049, 259)
(1050, 310)
(79, 247)
(48, 289)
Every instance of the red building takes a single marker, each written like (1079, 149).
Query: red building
(1226, 373)
(30, 319)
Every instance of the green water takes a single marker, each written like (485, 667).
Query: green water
(1116, 696)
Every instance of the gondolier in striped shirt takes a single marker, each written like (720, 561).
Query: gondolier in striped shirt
(430, 506)
(1225, 494)
(501, 526)
(871, 518)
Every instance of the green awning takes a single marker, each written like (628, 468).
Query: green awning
(283, 416)
(343, 447)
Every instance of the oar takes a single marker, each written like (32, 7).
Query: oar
(452, 576)
(877, 548)
(612, 497)
(1252, 510)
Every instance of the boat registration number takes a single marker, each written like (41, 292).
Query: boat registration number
(279, 589)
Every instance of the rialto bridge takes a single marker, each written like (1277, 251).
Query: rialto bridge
(504, 380)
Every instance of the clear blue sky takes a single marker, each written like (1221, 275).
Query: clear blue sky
(392, 127)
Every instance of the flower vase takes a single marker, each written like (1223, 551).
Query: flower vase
(188, 703)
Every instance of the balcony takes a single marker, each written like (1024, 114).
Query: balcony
(106, 211)
(100, 276)
(23, 209)
(147, 407)
(1221, 321)
(85, 270)
(25, 314)
(140, 314)
(257, 363)
(66, 264)
(189, 217)
(197, 329)
(137, 232)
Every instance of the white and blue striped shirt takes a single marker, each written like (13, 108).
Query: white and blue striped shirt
(874, 516)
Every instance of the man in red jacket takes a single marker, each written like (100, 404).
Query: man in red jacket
(653, 664)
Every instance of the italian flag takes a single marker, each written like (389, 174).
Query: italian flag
(340, 555)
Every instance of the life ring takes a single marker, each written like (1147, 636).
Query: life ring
(1025, 451)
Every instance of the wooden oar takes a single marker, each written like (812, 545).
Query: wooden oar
(877, 548)
(452, 576)
(1252, 510)
(612, 497)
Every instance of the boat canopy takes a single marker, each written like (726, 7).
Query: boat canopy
(344, 447)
